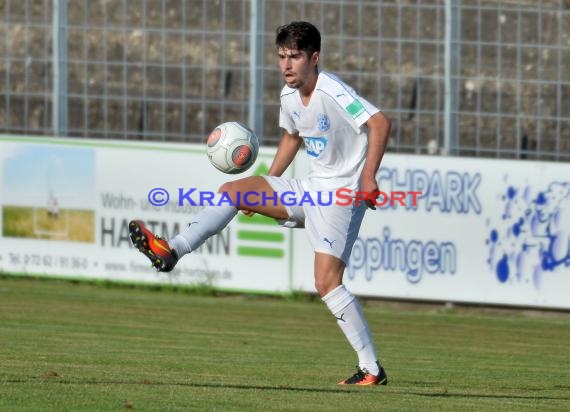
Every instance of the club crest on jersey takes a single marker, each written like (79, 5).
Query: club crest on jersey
(323, 122)
(315, 145)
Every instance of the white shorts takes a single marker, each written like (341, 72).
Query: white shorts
(332, 229)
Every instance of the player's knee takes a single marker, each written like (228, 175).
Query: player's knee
(324, 286)
(226, 188)
(233, 191)
(319, 288)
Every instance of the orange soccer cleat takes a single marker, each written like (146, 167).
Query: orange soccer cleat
(363, 378)
(162, 257)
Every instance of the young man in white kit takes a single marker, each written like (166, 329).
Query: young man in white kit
(345, 137)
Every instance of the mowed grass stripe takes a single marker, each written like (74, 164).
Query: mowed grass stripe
(261, 236)
(83, 347)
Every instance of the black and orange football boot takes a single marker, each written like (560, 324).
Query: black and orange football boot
(162, 257)
(363, 378)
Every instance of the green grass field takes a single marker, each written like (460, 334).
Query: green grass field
(81, 347)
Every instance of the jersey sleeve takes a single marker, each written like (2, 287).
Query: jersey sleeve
(360, 110)
(355, 107)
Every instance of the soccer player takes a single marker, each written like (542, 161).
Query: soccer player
(345, 137)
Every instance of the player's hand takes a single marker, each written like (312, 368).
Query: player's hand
(370, 203)
(370, 187)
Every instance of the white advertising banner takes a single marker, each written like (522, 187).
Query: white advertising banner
(66, 204)
(483, 231)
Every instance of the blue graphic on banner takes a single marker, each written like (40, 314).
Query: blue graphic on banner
(412, 257)
(533, 235)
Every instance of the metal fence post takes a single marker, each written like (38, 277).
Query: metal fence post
(59, 62)
(256, 83)
(451, 138)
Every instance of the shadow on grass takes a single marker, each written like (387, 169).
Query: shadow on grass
(341, 389)
(488, 396)
(56, 380)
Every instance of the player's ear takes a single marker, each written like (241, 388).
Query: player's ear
(315, 58)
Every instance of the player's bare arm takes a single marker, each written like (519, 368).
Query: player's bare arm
(378, 132)
(288, 148)
(286, 151)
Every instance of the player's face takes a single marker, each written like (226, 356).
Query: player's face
(298, 68)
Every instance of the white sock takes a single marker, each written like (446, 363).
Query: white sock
(348, 313)
(206, 223)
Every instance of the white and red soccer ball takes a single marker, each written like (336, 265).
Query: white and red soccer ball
(232, 147)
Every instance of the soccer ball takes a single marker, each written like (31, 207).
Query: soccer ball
(232, 147)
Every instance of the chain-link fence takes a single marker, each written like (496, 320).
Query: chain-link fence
(476, 78)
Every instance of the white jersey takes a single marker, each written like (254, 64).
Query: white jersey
(333, 130)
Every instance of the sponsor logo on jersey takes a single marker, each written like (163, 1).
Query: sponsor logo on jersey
(315, 145)
(355, 109)
(323, 122)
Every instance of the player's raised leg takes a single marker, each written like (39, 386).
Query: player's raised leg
(209, 221)
(213, 219)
